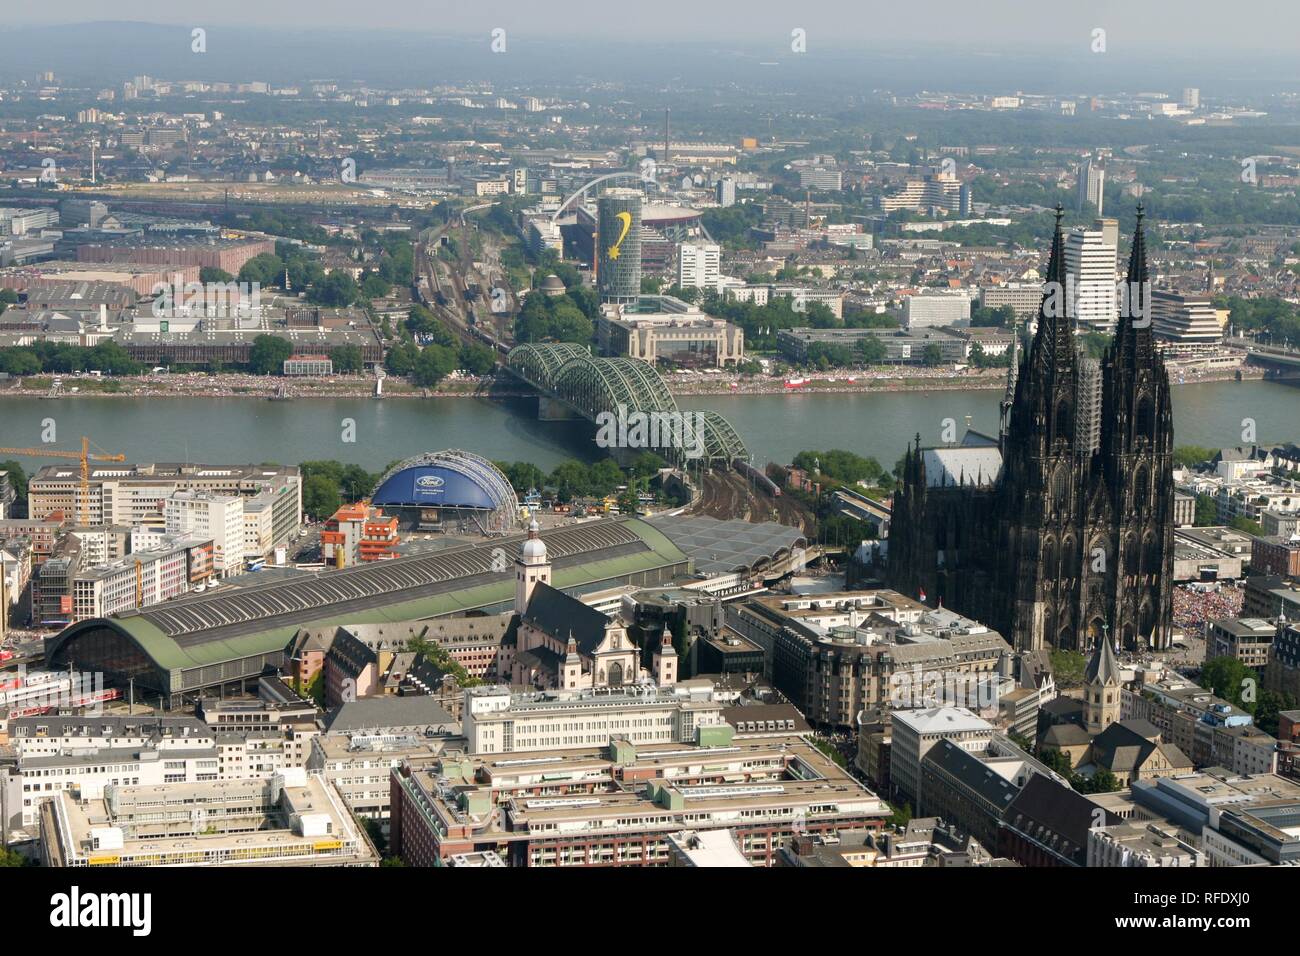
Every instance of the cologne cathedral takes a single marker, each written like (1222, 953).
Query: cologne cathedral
(1059, 531)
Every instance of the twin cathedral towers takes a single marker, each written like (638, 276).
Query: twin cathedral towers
(1054, 534)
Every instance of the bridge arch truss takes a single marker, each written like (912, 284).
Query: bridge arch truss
(592, 385)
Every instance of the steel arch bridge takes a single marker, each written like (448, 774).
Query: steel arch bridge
(591, 385)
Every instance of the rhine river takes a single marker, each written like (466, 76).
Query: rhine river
(775, 427)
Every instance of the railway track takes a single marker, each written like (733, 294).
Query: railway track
(727, 495)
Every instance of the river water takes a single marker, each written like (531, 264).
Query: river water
(775, 427)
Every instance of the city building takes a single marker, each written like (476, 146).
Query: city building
(218, 518)
(618, 262)
(1048, 824)
(1273, 554)
(834, 654)
(231, 637)
(499, 721)
(1024, 298)
(620, 804)
(132, 495)
(1248, 639)
(1092, 183)
(662, 330)
(1090, 294)
(1241, 819)
(288, 819)
(141, 579)
(915, 732)
(699, 265)
(358, 532)
(309, 365)
(932, 310)
(1139, 843)
(972, 788)
(1185, 319)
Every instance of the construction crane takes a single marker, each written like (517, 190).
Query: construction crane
(86, 458)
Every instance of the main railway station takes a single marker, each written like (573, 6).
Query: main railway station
(183, 647)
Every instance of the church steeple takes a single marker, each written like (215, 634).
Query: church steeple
(1101, 682)
(1054, 313)
(1134, 332)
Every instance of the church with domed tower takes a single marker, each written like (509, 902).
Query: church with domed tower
(562, 643)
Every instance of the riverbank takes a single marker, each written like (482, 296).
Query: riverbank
(267, 387)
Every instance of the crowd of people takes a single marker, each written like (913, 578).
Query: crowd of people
(1195, 604)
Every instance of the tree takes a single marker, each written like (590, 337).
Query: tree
(1207, 511)
(111, 359)
(17, 479)
(401, 359)
(932, 355)
(375, 830)
(901, 816)
(432, 365)
(1189, 456)
(8, 297)
(1246, 526)
(522, 475)
(477, 358)
(265, 269)
(1103, 781)
(346, 358)
(210, 274)
(570, 479)
(841, 465)
(375, 286)
(268, 354)
(337, 290)
(1228, 678)
(19, 361)
(871, 351)
(320, 497)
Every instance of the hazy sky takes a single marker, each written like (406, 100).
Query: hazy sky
(1157, 27)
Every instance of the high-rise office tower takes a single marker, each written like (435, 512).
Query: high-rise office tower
(1092, 180)
(726, 191)
(618, 249)
(699, 265)
(1091, 290)
(1191, 98)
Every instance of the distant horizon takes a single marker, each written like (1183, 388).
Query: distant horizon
(1161, 28)
(95, 51)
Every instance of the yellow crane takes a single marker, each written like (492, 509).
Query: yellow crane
(86, 458)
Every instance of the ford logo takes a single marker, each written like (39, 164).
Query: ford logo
(429, 481)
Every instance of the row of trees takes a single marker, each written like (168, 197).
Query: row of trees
(392, 263)
(328, 484)
(575, 479)
(843, 466)
(266, 357)
(62, 358)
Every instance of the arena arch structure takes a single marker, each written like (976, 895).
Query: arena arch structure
(453, 491)
(591, 385)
